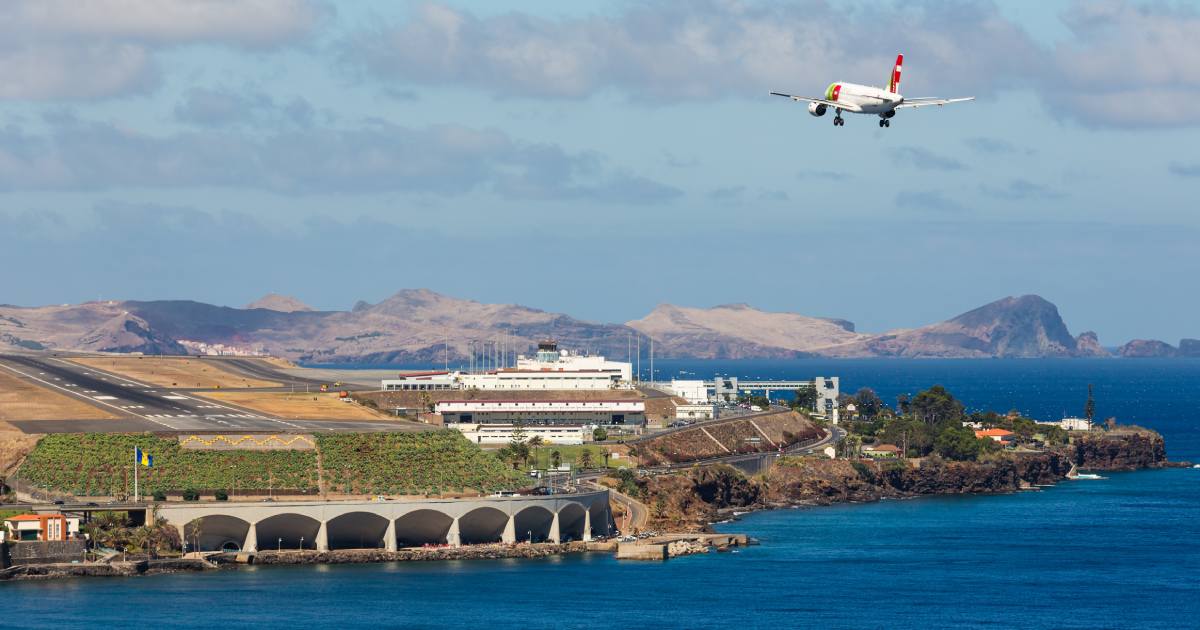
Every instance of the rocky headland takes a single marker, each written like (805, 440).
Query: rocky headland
(691, 501)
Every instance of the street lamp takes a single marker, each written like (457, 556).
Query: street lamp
(530, 536)
(301, 543)
(280, 545)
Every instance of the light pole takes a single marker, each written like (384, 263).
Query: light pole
(530, 536)
(301, 543)
(280, 545)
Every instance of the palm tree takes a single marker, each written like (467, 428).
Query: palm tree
(606, 453)
(585, 458)
(556, 458)
(534, 442)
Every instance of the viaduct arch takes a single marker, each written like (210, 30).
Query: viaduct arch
(326, 525)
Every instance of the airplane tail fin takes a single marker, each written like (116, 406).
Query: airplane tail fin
(894, 82)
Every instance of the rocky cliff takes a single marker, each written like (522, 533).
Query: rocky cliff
(693, 499)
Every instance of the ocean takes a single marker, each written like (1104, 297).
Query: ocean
(1122, 552)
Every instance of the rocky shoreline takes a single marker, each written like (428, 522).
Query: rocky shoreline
(703, 496)
(50, 571)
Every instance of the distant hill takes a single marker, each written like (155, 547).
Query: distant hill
(281, 303)
(421, 326)
(1013, 327)
(739, 331)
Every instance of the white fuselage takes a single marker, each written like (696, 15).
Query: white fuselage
(867, 99)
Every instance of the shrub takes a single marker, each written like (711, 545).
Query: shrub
(221, 495)
(159, 496)
(191, 494)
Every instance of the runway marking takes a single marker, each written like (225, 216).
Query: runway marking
(258, 417)
(87, 398)
(76, 366)
(175, 397)
(104, 397)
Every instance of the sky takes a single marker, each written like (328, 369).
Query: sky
(600, 158)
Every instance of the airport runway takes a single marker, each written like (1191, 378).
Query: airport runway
(144, 407)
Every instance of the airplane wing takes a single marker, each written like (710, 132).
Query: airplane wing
(846, 107)
(925, 102)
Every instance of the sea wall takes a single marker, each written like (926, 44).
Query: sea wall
(102, 569)
(358, 556)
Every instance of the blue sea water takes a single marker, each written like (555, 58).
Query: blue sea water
(1118, 553)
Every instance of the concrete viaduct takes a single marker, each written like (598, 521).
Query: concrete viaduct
(329, 525)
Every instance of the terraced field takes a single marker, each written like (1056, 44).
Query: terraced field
(741, 435)
(101, 465)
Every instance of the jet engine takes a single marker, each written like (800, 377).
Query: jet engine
(817, 109)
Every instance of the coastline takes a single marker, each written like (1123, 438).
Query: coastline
(233, 561)
(706, 495)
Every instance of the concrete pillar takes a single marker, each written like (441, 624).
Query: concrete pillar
(555, 532)
(453, 538)
(389, 537)
(323, 537)
(251, 543)
(587, 524)
(510, 531)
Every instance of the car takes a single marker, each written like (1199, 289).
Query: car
(59, 502)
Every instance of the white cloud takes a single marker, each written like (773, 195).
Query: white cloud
(82, 49)
(1129, 64)
(380, 157)
(699, 49)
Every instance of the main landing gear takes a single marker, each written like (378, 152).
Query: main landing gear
(839, 121)
(885, 123)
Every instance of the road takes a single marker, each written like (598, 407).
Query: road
(144, 407)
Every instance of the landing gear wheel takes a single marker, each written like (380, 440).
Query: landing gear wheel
(839, 122)
(887, 123)
(882, 124)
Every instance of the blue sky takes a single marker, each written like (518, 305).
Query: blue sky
(598, 158)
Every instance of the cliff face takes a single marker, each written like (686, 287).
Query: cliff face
(1132, 450)
(1189, 348)
(693, 499)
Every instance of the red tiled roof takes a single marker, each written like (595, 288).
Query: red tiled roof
(992, 433)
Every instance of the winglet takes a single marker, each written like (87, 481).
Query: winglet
(894, 82)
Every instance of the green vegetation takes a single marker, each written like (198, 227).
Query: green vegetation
(573, 455)
(374, 463)
(113, 531)
(410, 463)
(99, 464)
(932, 423)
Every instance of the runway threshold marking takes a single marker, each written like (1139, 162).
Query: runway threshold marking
(87, 398)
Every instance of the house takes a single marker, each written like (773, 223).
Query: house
(882, 451)
(40, 527)
(998, 435)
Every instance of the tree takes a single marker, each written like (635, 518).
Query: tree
(221, 495)
(935, 406)
(958, 444)
(600, 434)
(806, 399)
(159, 496)
(534, 442)
(191, 494)
(606, 453)
(868, 402)
(585, 458)
(1089, 408)
(556, 458)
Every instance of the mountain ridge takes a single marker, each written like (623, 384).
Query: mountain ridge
(420, 325)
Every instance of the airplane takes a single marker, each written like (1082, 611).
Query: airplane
(864, 99)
